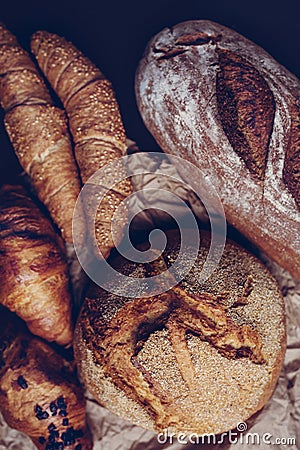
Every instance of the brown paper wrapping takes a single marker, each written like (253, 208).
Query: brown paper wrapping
(280, 418)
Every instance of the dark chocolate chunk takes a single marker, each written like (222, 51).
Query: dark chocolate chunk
(42, 440)
(38, 408)
(54, 434)
(51, 439)
(61, 403)
(42, 415)
(68, 436)
(78, 447)
(63, 413)
(51, 427)
(78, 433)
(53, 408)
(65, 422)
(59, 446)
(22, 382)
(50, 446)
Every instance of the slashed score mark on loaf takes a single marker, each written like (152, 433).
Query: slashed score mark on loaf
(119, 343)
(246, 109)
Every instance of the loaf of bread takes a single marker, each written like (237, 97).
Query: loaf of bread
(199, 358)
(39, 392)
(211, 96)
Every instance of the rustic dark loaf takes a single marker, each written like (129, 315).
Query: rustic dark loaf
(199, 358)
(213, 97)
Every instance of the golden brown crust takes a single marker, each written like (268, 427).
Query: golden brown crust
(39, 393)
(65, 67)
(196, 359)
(6, 36)
(180, 312)
(33, 269)
(38, 132)
(94, 117)
(54, 174)
(20, 81)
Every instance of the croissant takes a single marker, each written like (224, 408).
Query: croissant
(95, 125)
(33, 270)
(39, 392)
(38, 132)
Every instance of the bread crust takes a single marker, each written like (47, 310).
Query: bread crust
(96, 127)
(227, 106)
(39, 392)
(33, 268)
(180, 379)
(39, 133)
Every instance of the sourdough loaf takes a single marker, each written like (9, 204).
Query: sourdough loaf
(199, 358)
(218, 100)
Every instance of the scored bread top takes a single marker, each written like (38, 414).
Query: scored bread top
(187, 381)
(213, 97)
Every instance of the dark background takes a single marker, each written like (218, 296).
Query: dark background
(114, 35)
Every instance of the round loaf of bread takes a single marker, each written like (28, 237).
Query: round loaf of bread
(200, 358)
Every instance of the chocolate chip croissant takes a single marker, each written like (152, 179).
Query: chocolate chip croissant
(39, 392)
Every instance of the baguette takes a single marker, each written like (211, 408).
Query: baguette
(39, 392)
(95, 125)
(33, 269)
(211, 96)
(38, 132)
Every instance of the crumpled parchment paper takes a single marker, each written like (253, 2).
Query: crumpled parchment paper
(280, 418)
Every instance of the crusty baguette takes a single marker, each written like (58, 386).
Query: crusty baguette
(39, 133)
(33, 269)
(218, 100)
(95, 123)
(199, 358)
(39, 392)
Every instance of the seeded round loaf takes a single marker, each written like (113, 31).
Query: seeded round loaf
(200, 358)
